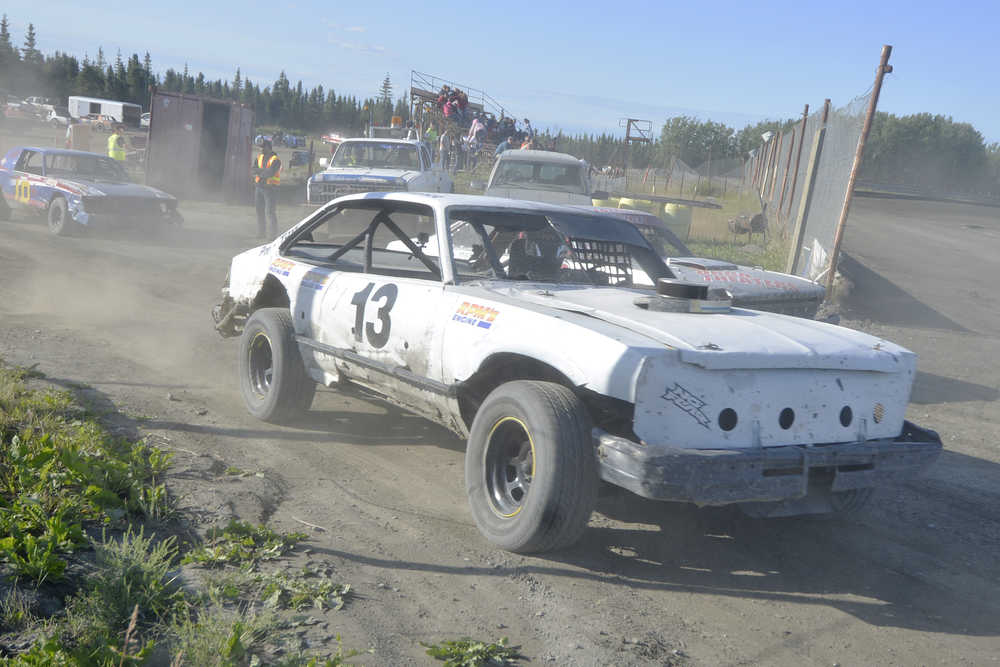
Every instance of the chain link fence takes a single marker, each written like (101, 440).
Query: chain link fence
(780, 172)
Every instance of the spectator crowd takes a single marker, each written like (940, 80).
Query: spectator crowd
(459, 133)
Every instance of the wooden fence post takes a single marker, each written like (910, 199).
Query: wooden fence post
(883, 68)
(807, 192)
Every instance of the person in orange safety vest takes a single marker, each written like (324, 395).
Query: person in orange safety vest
(266, 170)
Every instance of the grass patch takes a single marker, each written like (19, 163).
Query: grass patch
(473, 653)
(60, 470)
(283, 590)
(16, 610)
(771, 255)
(241, 542)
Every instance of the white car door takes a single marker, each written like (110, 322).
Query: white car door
(387, 323)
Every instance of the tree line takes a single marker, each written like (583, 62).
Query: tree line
(26, 71)
(919, 150)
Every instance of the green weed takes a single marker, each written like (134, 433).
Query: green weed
(283, 590)
(134, 571)
(15, 610)
(222, 638)
(59, 468)
(473, 653)
(241, 542)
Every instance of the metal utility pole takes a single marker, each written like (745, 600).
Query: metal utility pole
(636, 132)
(883, 68)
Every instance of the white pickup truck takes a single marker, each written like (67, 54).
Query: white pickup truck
(378, 165)
(562, 377)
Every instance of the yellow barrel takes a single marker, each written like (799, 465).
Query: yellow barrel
(640, 205)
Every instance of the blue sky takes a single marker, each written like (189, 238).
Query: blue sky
(579, 65)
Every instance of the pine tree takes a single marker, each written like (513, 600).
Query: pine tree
(30, 53)
(237, 87)
(8, 53)
(385, 91)
(6, 47)
(100, 58)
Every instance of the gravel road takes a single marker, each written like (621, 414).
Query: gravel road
(913, 580)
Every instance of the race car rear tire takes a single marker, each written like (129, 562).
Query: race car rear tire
(273, 379)
(58, 218)
(531, 468)
(5, 212)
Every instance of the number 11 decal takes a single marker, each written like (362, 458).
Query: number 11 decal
(376, 338)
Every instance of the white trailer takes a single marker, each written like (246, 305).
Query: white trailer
(123, 112)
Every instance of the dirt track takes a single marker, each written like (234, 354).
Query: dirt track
(915, 580)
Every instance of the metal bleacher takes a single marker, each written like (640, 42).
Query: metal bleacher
(424, 91)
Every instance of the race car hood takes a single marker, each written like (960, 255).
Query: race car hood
(545, 196)
(748, 285)
(739, 339)
(132, 190)
(364, 175)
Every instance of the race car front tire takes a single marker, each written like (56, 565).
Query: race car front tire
(531, 468)
(58, 218)
(273, 379)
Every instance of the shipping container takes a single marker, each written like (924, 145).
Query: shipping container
(198, 146)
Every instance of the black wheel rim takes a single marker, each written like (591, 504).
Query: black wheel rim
(260, 364)
(56, 218)
(510, 466)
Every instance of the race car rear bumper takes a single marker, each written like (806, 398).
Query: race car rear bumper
(726, 476)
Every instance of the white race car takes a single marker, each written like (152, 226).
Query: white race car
(562, 377)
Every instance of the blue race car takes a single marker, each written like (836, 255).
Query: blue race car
(76, 190)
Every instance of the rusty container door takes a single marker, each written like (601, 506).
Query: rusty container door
(239, 153)
(174, 143)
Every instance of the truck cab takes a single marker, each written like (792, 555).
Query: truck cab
(544, 176)
(377, 165)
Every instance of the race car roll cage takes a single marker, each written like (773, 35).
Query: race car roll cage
(592, 245)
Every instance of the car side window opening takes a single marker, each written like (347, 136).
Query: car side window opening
(30, 163)
(96, 167)
(395, 239)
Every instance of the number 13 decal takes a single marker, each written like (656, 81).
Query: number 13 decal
(377, 338)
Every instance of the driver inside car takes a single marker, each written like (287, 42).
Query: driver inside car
(536, 258)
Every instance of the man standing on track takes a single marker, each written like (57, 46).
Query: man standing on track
(116, 143)
(266, 171)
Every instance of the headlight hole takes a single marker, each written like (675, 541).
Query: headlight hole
(728, 419)
(786, 418)
(846, 416)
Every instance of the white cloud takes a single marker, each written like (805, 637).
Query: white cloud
(357, 46)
